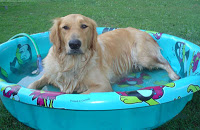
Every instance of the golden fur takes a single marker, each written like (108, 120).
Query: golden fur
(104, 59)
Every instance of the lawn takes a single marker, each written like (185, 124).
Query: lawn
(176, 17)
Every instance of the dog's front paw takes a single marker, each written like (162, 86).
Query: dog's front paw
(32, 86)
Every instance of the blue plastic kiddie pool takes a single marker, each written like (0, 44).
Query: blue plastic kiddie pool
(142, 100)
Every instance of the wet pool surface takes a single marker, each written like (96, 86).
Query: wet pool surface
(131, 82)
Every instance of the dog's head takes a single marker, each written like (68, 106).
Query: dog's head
(73, 34)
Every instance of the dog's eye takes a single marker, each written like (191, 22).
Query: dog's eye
(66, 27)
(83, 26)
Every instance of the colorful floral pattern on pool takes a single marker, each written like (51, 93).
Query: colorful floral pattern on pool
(139, 96)
(11, 92)
(45, 98)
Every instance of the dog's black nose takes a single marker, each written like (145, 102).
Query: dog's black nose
(75, 44)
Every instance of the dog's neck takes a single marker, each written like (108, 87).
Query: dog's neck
(75, 64)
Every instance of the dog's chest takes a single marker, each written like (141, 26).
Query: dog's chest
(70, 81)
(69, 75)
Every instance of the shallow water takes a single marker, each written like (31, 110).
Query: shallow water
(142, 79)
(132, 82)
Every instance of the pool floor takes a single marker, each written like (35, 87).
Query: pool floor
(132, 82)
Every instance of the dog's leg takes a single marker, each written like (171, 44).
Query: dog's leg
(96, 82)
(158, 61)
(98, 88)
(164, 64)
(39, 83)
(149, 56)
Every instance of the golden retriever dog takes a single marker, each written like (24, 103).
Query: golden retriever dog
(81, 61)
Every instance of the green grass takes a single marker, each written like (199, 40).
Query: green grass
(176, 17)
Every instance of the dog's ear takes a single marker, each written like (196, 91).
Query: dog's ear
(55, 35)
(94, 35)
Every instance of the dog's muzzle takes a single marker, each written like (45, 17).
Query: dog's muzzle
(75, 47)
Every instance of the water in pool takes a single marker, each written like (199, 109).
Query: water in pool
(132, 82)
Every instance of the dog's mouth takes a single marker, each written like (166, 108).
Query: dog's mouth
(75, 52)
